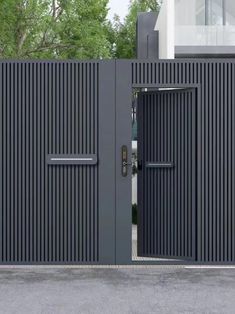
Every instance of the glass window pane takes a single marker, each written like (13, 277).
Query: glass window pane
(215, 12)
(190, 12)
(230, 12)
(200, 12)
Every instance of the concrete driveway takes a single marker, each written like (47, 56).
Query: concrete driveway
(117, 290)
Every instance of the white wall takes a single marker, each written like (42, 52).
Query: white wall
(166, 27)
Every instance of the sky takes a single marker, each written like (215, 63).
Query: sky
(119, 7)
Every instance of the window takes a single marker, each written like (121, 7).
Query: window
(190, 12)
(200, 12)
(215, 12)
(205, 22)
(230, 12)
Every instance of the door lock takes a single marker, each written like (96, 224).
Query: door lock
(125, 162)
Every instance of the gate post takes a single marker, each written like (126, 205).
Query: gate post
(107, 162)
(123, 183)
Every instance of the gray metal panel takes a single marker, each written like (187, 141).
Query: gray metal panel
(167, 204)
(153, 45)
(147, 38)
(51, 214)
(107, 162)
(215, 149)
(123, 184)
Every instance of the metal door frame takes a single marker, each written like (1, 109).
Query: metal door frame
(197, 88)
(124, 89)
(194, 179)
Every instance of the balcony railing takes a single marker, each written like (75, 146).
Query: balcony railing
(205, 35)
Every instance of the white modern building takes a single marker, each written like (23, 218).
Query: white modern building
(196, 28)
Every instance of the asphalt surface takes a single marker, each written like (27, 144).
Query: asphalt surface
(119, 290)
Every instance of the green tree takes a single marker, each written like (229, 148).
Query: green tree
(54, 29)
(124, 34)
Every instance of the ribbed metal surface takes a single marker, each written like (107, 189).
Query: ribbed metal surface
(215, 146)
(168, 72)
(48, 213)
(167, 142)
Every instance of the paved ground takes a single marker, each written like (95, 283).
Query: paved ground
(135, 257)
(120, 290)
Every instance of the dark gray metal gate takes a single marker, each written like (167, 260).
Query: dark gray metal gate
(57, 161)
(167, 174)
(214, 81)
(79, 114)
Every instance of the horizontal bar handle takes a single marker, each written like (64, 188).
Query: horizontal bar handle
(59, 159)
(160, 165)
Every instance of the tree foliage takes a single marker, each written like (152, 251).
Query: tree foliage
(67, 29)
(53, 29)
(124, 34)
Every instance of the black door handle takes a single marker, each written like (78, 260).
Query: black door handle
(125, 162)
(160, 165)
